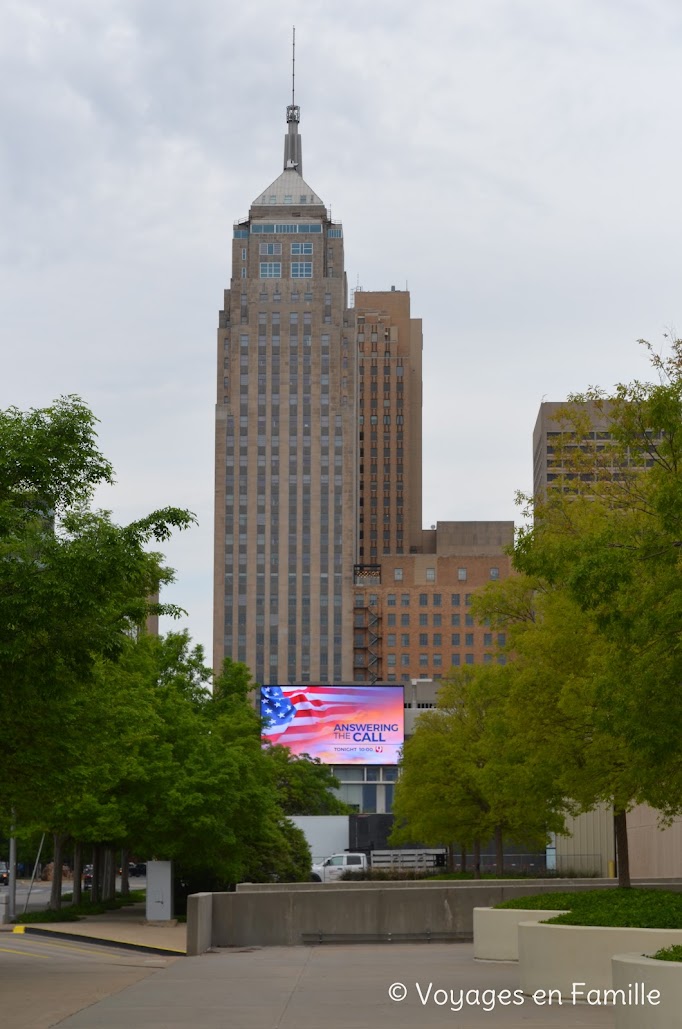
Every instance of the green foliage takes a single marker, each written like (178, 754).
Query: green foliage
(638, 908)
(668, 954)
(304, 785)
(75, 912)
(106, 734)
(467, 773)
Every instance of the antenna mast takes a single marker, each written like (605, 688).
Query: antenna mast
(293, 65)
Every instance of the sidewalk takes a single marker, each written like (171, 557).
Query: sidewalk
(124, 926)
(335, 987)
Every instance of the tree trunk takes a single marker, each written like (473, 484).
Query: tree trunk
(56, 891)
(477, 859)
(107, 863)
(464, 857)
(622, 853)
(96, 886)
(77, 872)
(499, 851)
(125, 880)
(113, 872)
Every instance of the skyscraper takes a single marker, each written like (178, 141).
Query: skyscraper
(285, 514)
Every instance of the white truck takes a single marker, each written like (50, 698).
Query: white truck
(332, 868)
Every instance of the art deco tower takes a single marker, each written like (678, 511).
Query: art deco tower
(285, 515)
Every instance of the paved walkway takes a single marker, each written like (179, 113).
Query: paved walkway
(84, 984)
(127, 925)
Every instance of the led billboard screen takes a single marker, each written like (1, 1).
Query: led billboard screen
(340, 725)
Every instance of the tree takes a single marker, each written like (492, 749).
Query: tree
(468, 776)
(601, 658)
(304, 785)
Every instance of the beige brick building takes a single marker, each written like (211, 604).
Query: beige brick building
(286, 424)
(322, 570)
(412, 613)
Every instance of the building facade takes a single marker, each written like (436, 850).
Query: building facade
(286, 423)
(389, 351)
(412, 612)
(323, 573)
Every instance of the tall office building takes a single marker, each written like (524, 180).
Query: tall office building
(286, 424)
(389, 345)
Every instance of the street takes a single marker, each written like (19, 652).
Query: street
(40, 893)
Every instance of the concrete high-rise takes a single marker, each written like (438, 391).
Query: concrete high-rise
(389, 346)
(286, 440)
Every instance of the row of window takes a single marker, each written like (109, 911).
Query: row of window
(275, 250)
(273, 270)
(431, 575)
(406, 598)
(437, 639)
(436, 660)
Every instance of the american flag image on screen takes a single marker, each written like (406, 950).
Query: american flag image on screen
(337, 724)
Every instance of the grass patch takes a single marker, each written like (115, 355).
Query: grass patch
(668, 954)
(74, 912)
(633, 908)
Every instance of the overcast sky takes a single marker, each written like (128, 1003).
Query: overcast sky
(515, 162)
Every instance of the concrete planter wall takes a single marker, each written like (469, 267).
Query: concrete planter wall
(558, 956)
(496, 931)
(663, 976)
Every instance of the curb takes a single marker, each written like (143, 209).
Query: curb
(101, 940)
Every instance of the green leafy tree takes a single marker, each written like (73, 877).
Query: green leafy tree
(304, 785)
(468, 776)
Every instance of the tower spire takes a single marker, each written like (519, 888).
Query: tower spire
(293, 154)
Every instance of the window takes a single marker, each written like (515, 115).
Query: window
(430, 574)
(270, 249)
(501, 639)
(468, 619)
(398, 575)
(301, 248)
(423, 599)
(455, 660)
(405, 639)
(423, 619)
(404, 599)
(390, 599)
(390, 619)
(436, 639)
(301, 269)
(467, 599)
(487, 639)
(270, 270)
(494, 573)
(462, 574)
(455, 620)
(390, 660)
(404, 620)
(423, 639)
(454, 640)
(468, 639)
(437, 660)
(454, 600)
(423, 660)
(437, 599)
(437, 620)
(468, 659)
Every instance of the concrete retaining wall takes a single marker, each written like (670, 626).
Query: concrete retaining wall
(290, 914)
(496, 931)
(557, 956)
(664, 976)
(199, 923)
(521, 887)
